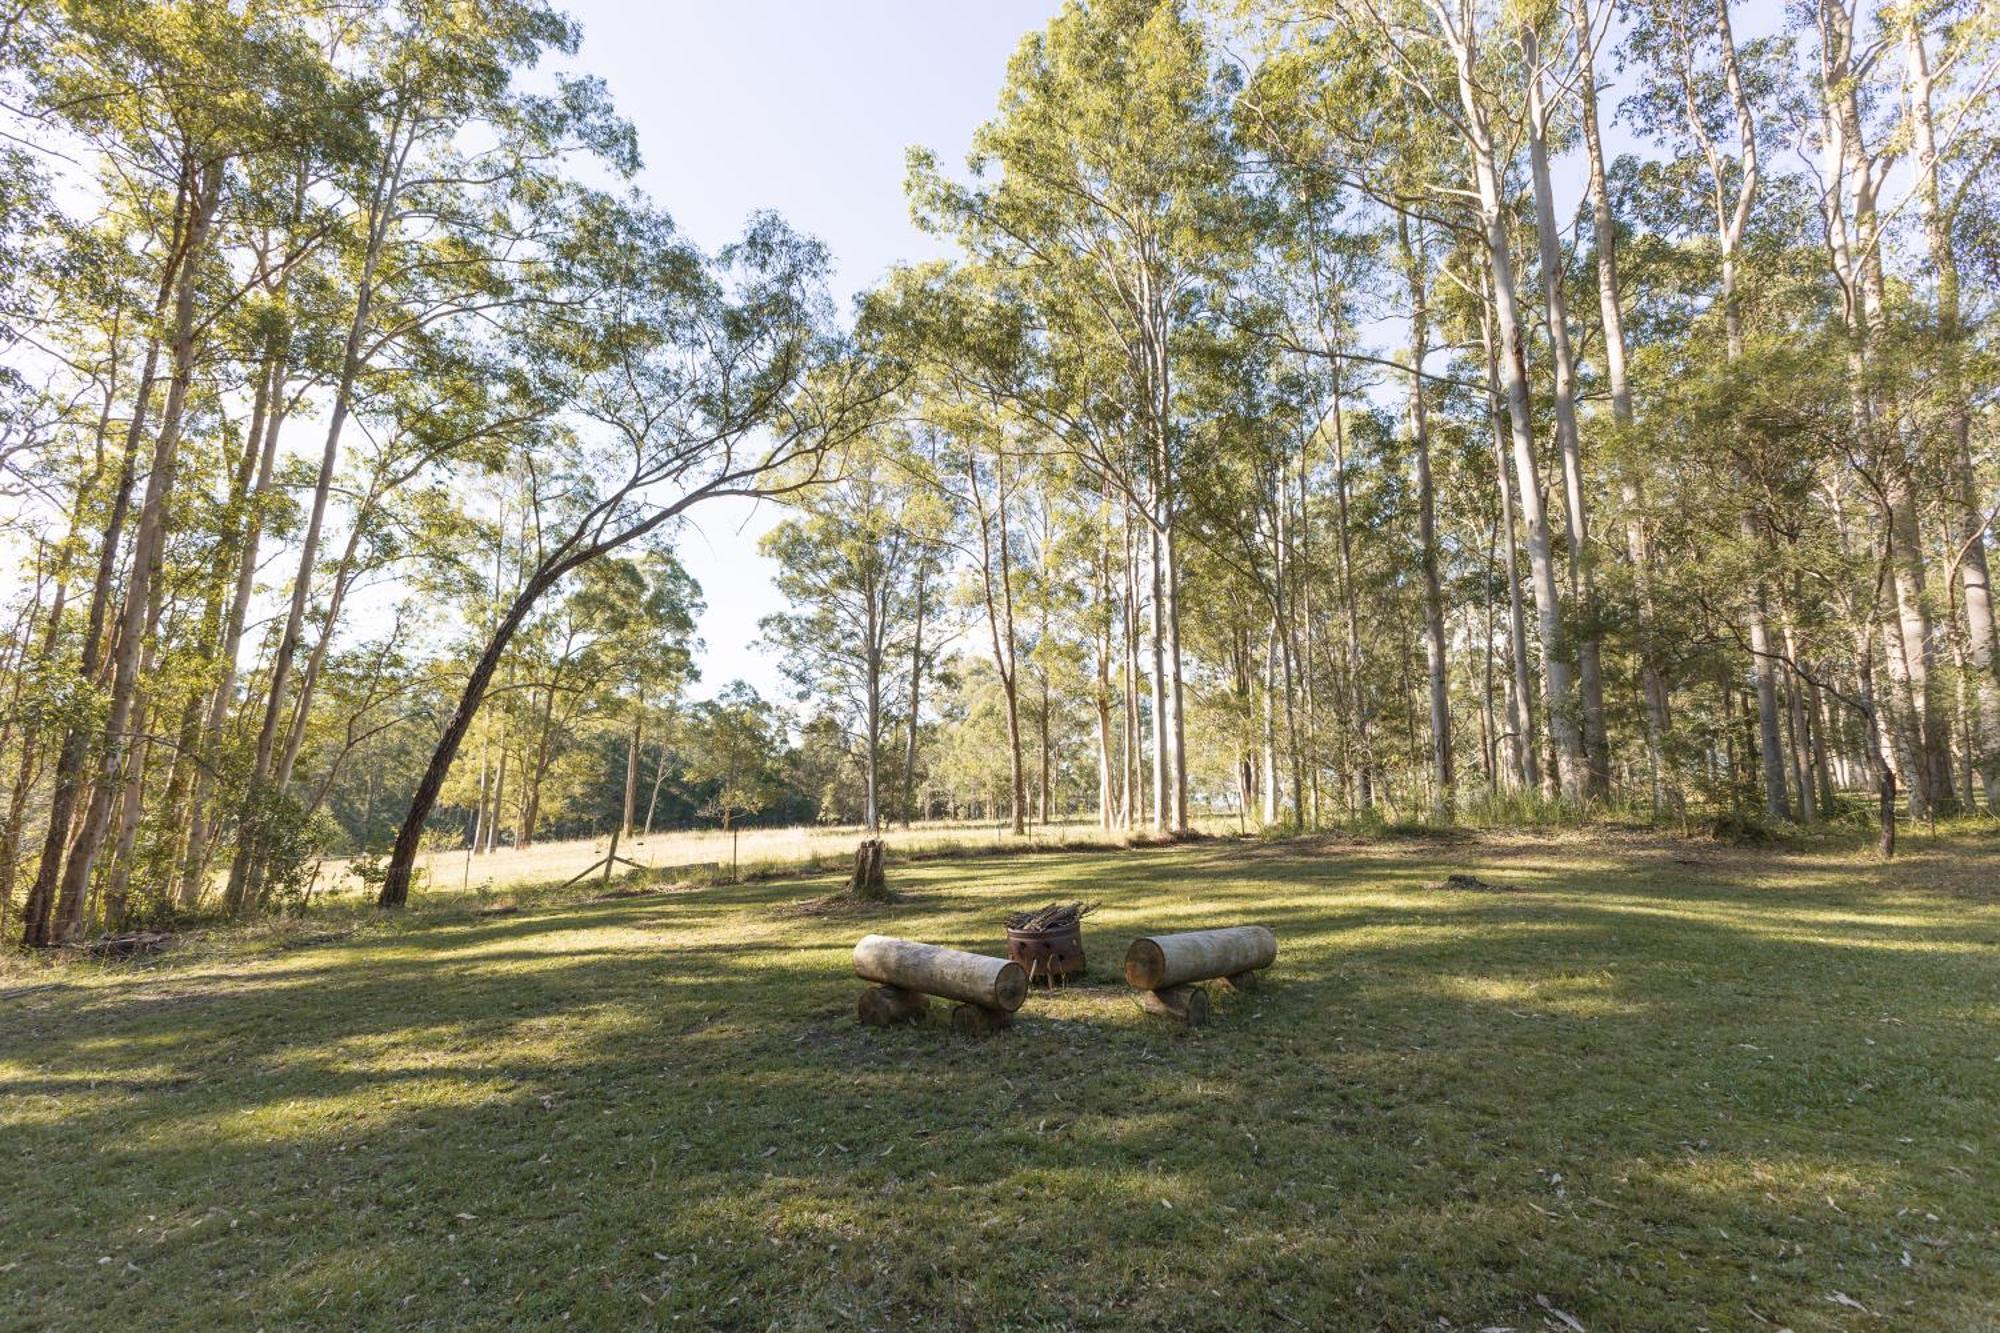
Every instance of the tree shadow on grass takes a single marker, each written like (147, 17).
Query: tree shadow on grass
(1440, 1106)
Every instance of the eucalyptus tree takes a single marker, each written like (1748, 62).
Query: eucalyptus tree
(1591, 26)
(1551, 76)
(859, 566)
(443, 210)
(285, 240)
(1949, 100)
(991, 471)
(1694, 93)
(975, 386)
(1247, 504)
(1415, 259)
(1064, 611)
(733, 743)
(1874, 149)
(1105, 190)
(615, 628)
(1444, 65)
(169, 104)
(678, 378)
(1366, 172)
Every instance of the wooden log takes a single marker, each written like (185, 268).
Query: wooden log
(1185, 1004)
(879, 1006)
(976, 1020)
(1158, 961)
(1241, 981)
(995, 983)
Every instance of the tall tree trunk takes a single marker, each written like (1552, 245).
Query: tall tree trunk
(1270, 792)
(39, 910)
(1131, 813)
(1176, 703)
(26, 771)
(247, 865)
(1565, 740)
(534, 773)
(500, 801)
(1968, 519)
(1489, 730)
(1558, 694)
(872, 658)
(631, 805)
(395, 890)
(1158, 641)
(267, 420)
(148, 548)
(1415, 265)
(916, 690)
(1363, 766)
(1044, 796)
(1611, 309)
(1101, 686)
(1520, 713)
(131, 807)
(1283, 618)
(997, 580)
(1590, 677)
(1800, 749)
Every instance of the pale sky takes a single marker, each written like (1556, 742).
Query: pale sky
(805, 107)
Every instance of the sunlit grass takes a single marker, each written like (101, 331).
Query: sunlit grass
(1645, 1093)
(751, 851)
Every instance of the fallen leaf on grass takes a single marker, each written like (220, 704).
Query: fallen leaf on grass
(1568, 1320)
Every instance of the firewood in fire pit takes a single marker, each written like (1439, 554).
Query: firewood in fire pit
(1056, 916)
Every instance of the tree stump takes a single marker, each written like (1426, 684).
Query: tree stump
(1183, 1004)
(867, 881)
(976, 1020)
(880, 1006)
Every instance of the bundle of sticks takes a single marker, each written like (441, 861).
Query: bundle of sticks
(1056, 916)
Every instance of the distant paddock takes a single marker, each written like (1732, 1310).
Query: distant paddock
(452, 869)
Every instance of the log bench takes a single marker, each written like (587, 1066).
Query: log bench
(905, 974)
(1169, 969)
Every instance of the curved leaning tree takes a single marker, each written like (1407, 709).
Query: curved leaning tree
(672, 378)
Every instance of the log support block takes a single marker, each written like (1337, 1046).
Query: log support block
(880, 1006)
(1240, 981)
(1183, 1004)
(976, 1020)
(1157, 962)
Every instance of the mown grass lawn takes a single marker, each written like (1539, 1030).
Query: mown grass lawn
(1658, 1085)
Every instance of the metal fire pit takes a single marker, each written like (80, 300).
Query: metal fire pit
(1048, 956)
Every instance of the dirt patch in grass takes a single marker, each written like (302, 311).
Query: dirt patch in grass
(1460, 882)
(844, 905)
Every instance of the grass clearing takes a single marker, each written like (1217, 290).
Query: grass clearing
(1657, 1084)
(756, 851)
